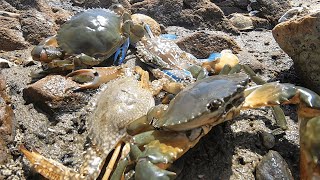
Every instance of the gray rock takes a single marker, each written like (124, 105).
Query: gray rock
(273, 167)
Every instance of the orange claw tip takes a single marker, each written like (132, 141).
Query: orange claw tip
(30, 155)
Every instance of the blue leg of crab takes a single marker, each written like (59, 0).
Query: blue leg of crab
(178, 75)
(123, 50)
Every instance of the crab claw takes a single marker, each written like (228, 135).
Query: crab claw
(47, 50)
(147, 170)
(47, 167)
(93, 78)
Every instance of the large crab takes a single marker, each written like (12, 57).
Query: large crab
(88, 38)
(165, 133)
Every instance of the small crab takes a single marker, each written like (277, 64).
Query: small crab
(88, 38)
(165, 133)
(166, 59)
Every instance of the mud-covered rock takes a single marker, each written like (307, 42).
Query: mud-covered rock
(38, 19)
(273, 166)
(37, 26)
(54, 94)
(202, 44)
(6, 123)
(271, 9)
(11, 37)
(186, 13)
(300, 40)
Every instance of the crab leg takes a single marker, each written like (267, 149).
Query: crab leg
(112, 162)
(271, 94)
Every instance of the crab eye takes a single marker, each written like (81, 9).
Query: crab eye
(214, 105)
(117, 8)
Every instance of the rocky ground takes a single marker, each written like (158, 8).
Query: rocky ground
(55, 124)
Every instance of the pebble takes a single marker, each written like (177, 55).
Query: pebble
(268, 140)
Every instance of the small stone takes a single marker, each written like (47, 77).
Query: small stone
(7, 172)
(273, 166)
(275, 55)
(5, 63)
(268, 140)
(201, 176)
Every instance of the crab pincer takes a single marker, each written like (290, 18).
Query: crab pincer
(93, 78)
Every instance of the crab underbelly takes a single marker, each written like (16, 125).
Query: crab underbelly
(119, 104)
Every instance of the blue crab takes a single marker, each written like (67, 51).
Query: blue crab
(124, 95)
(165, 133)
(88, 38)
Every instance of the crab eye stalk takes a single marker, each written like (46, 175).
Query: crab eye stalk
(214, 105)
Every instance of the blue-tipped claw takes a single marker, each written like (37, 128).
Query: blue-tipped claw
(212, 57)
(169, 36)
(178, 75)
(123, 50)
